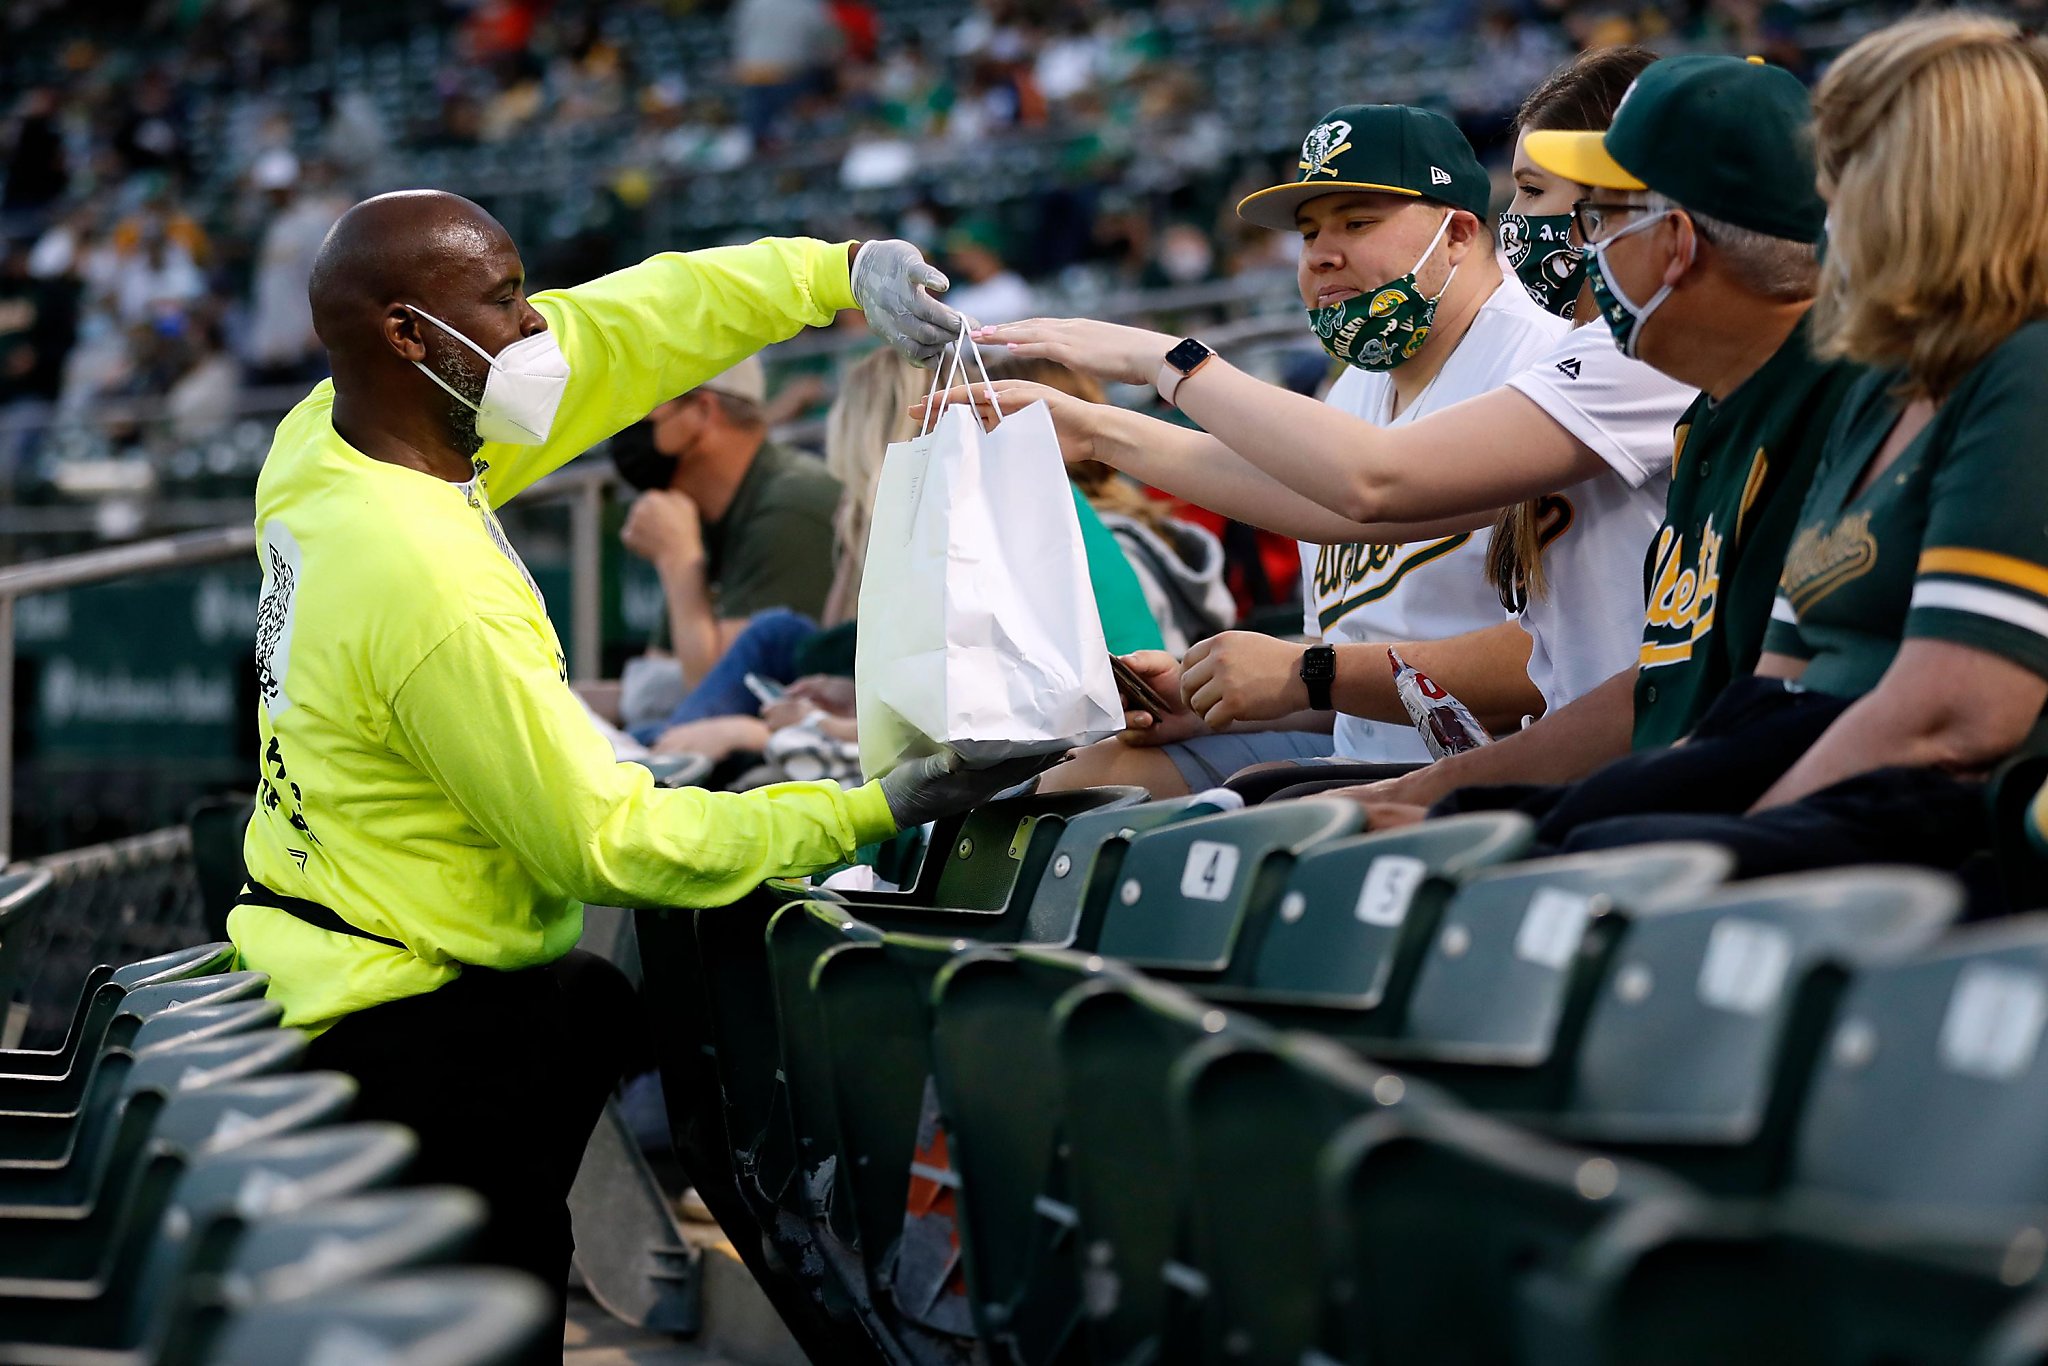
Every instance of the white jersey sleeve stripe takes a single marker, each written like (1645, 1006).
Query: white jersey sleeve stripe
(2010, 608)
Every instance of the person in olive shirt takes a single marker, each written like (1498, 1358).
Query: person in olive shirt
(1701, 229)
(735, 524)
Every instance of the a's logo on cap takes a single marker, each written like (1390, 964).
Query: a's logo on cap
(1439, 176)
(1324, 141)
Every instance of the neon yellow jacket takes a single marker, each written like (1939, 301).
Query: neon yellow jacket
(427, 773)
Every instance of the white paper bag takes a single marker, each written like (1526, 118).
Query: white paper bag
(978, 624)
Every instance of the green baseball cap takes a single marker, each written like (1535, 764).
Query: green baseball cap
(1385, 148)
(1728, 137)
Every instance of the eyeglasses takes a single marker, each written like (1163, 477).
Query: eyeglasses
(1598, 219)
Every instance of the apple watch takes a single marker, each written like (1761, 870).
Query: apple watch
(1318, 672)
(1186, 358)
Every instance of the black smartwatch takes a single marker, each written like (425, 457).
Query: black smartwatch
(1181, 362)
(1318, 672)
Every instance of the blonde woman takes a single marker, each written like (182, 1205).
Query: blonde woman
(1908, 648)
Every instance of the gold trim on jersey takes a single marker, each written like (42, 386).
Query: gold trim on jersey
(1986, 564)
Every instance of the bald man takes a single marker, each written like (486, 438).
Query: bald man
(434, 806)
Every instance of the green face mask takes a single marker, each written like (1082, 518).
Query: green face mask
(1382, 328)
(1545, 261)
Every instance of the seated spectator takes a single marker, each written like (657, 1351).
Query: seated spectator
(734, 523)
(1585, 461)
(1908, 646)
(1700, 229)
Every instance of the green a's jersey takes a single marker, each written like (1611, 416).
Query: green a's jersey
(1949, 542)
(1741, 469)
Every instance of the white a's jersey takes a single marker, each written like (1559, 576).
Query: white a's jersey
(1590, 625)
(1422, 590)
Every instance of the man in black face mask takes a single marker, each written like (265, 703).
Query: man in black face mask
(735, 524)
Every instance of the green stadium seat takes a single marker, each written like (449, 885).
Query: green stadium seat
(1696, 1052)
(168, 1252)
(50, 1142)
(1187, 893)
(996, 860)
(324, 1247)
(1250, 1113)
(1911, 1220)
(797, 941)
(210, 1119)
(1355, 914)
(1112, 1208)
(874, 1004)
(155, 1011)
(741, 1015)
(462, 1317)
(210, 1021)
(101, 997)
(1505, 985)
(997, 1082)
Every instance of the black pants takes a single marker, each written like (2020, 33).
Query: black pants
(502, 1075)
(1702, 789)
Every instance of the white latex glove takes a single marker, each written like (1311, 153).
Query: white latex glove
(892, 283)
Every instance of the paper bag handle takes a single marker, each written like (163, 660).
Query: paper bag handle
(961, 350)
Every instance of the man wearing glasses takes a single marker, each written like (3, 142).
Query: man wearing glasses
(1701, 232)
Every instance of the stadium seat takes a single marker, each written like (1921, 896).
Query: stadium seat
(997, 1086)
(1704, 1030)
(1912, 1216)
(997, 859)
(468, 1317)
(1355, 914)
(101, 996)
(873, 1003)
(1249, 1115)
(1187, 893)
(321, 1248)
(190, 1122)
(169, 1253)
(145, 1016)
(1505, 985)
(797, 941)
(982, 869)
(50, 1142)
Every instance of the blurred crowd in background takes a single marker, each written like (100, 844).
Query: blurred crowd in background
(167, 170)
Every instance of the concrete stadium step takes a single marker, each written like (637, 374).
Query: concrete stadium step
(740, 1326)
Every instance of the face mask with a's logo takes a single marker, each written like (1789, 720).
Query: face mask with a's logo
(1539, 248)
(1385, 327)
(522, 392)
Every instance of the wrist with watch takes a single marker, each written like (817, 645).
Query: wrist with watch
(1318, 674)
(1183, 360)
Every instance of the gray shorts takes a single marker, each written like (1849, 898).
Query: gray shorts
(1208, 760)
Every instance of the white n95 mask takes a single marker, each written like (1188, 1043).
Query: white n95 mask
(522, 392)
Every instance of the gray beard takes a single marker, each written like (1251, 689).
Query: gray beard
(466, 375)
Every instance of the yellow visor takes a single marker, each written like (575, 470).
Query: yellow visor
(1581, 157)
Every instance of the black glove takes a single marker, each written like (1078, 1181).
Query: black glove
(941, 784)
